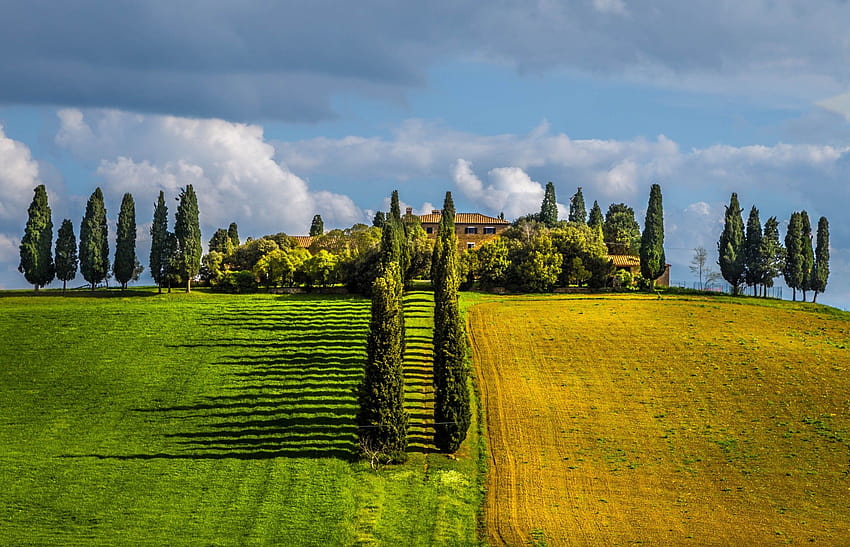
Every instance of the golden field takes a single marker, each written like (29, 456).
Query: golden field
(681, 420)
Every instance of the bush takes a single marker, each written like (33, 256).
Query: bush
(240, 282)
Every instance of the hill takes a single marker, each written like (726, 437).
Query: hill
(685, 419)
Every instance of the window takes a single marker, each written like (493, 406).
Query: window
(489, 230)
(429, 230)
(471, 230)
(470, 245)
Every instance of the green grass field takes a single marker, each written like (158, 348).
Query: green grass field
(214, 420)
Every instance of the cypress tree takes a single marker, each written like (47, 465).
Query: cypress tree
(66, 253)
(753, 261)
(159, 235)
(771, 254)
(578, 212)
(233, 232)
(379, 219)
(807, 256)
(125, 246)
(381, 419)
(452, 413)
(549, 207)
(172, 260)
(317, 227)
(94, 241)
(36, 245)
(400, 234)
(220, 242)
(595, 219)
(188, 231)
(820, 272)
(652, 259)
(793, 271)
(730, 247)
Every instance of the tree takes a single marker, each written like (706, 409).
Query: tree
(66, 253)
(188, 231)
(578, 212)
(730, 247)
(771, 254)
(807, 256)
(159, 234)
(493, 263)
(652, 259)
(621, 230)
(125, 246)
(793, 271)
(595, 219)
(172, 259)
(381, 418)
(94, 244)
(317, 228)
(379, 219)
(452, 413)
(699, 266)
(321, 269)
(582, 252)
(820, 272)
(549, 207)
(754, 267)
(36, 245)
(220, 242)
(233, 232)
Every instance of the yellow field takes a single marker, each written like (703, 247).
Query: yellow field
(624, 420)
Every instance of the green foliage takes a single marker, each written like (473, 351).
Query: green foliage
(820, 272)
(66, 253)
(582, 251)
(172, 258)
(36, 245)
(730, 247)
(159, 234)
(419, 249)
(317, 227)
(94, 241)
(535, 265)
(379, 219)
(793, 270)
(578, 212)
(771, 253)
(621, 230)
(125, 247)
(321, 269)
(280, 267)
(233, 233)
(752, 249)
(221, 243)
(381, 419)
(807, 256)
(653, 263)
(595, 219)
(493, 262)
(212, 267)
(246, 256)
(549, 207)
(239, 282)
(187, 228)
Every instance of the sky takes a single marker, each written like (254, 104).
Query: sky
(276, 111)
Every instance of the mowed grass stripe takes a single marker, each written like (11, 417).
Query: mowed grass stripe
(663, 421)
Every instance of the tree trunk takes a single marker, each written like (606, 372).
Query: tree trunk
(159, 286)
(188, 284)
(35, 288)
(63, 286)
(794, 294)
(815, 298)
(92, 286)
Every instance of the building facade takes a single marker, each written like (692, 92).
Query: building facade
(472, 229)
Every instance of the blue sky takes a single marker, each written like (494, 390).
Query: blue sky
(277, 112)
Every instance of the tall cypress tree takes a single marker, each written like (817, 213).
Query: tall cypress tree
(652, 259)
(578, 212)
(793, 270)
(549, 207)
(771, 254)
(233, 232)
(125, 245)
(400, 234)
(317, 227)
(452, 413)
(188, 231)
(36, 245)
(381, 418)
(820, 272)
(807, 256)
(66, 253)
(220, 242)
(752, 251)
(596, 218)
(730, 247)
(94, 241)
(159, 237)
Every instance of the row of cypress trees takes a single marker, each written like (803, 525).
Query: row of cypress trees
(756, 256)
(180, 251)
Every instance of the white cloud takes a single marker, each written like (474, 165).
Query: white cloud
(838, 103)
(615, 7)
(18, 178)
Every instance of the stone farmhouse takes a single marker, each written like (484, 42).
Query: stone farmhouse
(472, 229)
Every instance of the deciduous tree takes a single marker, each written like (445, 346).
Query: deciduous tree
(94, 241)
(125, 245)
(37, 243)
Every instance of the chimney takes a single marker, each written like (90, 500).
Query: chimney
(409, 211)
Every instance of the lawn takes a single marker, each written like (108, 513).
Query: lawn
(212, 420)
(679, 420)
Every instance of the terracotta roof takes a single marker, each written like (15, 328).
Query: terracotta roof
(462, 218)
(303, 241)
(624, 261)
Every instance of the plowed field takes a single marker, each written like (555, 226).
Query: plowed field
(676, 421)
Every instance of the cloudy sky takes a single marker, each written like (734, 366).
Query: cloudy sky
(276, 111)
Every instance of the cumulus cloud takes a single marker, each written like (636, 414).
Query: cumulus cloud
(18, 177)
(260, 60)
(511, 190)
